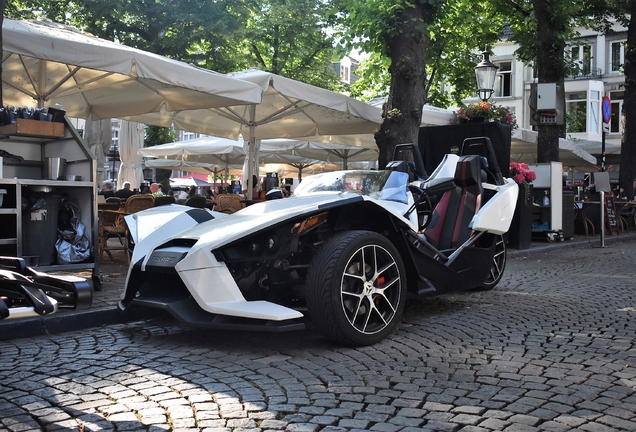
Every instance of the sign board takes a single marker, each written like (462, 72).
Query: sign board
(607, 109)
(610, 215)
(606, 127)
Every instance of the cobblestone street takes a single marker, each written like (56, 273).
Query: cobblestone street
(551, 348)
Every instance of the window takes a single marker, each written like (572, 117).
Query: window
(188, 136)
(582, 58)
(344, 73)
(114, 143)
(617, 56)
(503, 81)
(617, 108)
(575, 112)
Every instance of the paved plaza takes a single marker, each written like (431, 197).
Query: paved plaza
(549, 349)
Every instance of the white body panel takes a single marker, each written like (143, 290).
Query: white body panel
(496, 215)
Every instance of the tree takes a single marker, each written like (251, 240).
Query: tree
(458, 34)
(424, 44)
(628, 140)
(290, 38)
(399, 31)
(605, 14)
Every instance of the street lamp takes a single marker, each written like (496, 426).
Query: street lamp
(485, 72)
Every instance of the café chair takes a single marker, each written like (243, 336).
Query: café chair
(112, 225)
(229, 203)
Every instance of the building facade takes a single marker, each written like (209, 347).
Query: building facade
(598, 72)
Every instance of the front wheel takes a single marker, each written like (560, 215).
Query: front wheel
(356, 288)
(498, 265)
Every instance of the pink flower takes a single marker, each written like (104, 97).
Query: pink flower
(521, 173)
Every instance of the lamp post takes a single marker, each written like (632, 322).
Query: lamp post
(485, 72)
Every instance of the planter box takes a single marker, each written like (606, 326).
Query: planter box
(33, 128)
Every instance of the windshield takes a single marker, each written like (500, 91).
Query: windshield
(385, 185)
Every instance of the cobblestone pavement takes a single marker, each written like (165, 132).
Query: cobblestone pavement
(550, 349)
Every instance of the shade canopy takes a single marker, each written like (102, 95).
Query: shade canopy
(212, 155)
(288, 109)
(183, 165)
(324, 152)
(524, 149)
(189, 181)
(47, 63)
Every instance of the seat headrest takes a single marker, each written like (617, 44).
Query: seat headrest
(468, 171)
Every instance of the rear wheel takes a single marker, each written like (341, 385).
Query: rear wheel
(498, 265)
(356, 288)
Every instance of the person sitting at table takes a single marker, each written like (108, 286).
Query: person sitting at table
(155, 190)
(107, 190)
(125, 192)
(192, 192)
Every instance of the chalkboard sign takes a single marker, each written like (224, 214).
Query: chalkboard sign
(610, 215)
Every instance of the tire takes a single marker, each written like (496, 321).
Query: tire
(498, 265)
(350, 306)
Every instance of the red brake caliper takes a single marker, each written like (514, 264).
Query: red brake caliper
(379, 281)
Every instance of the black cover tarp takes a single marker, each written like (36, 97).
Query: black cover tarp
(436, 141)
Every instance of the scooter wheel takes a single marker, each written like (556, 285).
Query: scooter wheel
(356, 288)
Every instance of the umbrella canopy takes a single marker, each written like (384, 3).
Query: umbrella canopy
(51, 63)
(189, 181)
(288, 109)
(524, 149)
(324, 152)
(182, 165)
(207, 153)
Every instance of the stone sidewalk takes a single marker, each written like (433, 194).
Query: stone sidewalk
(551, 349)
(104, 307)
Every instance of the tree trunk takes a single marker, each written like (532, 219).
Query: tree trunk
(627, 171)
(550, 66)
(2, 4)
(402, 112)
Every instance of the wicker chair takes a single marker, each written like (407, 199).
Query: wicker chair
(138, 203)
(113, 225)
(229, 203)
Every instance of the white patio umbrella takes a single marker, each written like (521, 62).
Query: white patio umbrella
(206, 152)
(325, 152)
(98, 135)
(131, 138)
(182, 165)
(288, 109)
(524, 149)
(210, 151)
(45, 63)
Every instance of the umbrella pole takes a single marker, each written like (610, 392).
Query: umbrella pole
(251, 152)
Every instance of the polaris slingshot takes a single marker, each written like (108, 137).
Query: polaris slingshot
(346, 249)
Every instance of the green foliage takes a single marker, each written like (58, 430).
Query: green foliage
(156, 135)
(457, 30)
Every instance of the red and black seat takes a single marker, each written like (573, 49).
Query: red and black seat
(448, 228)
